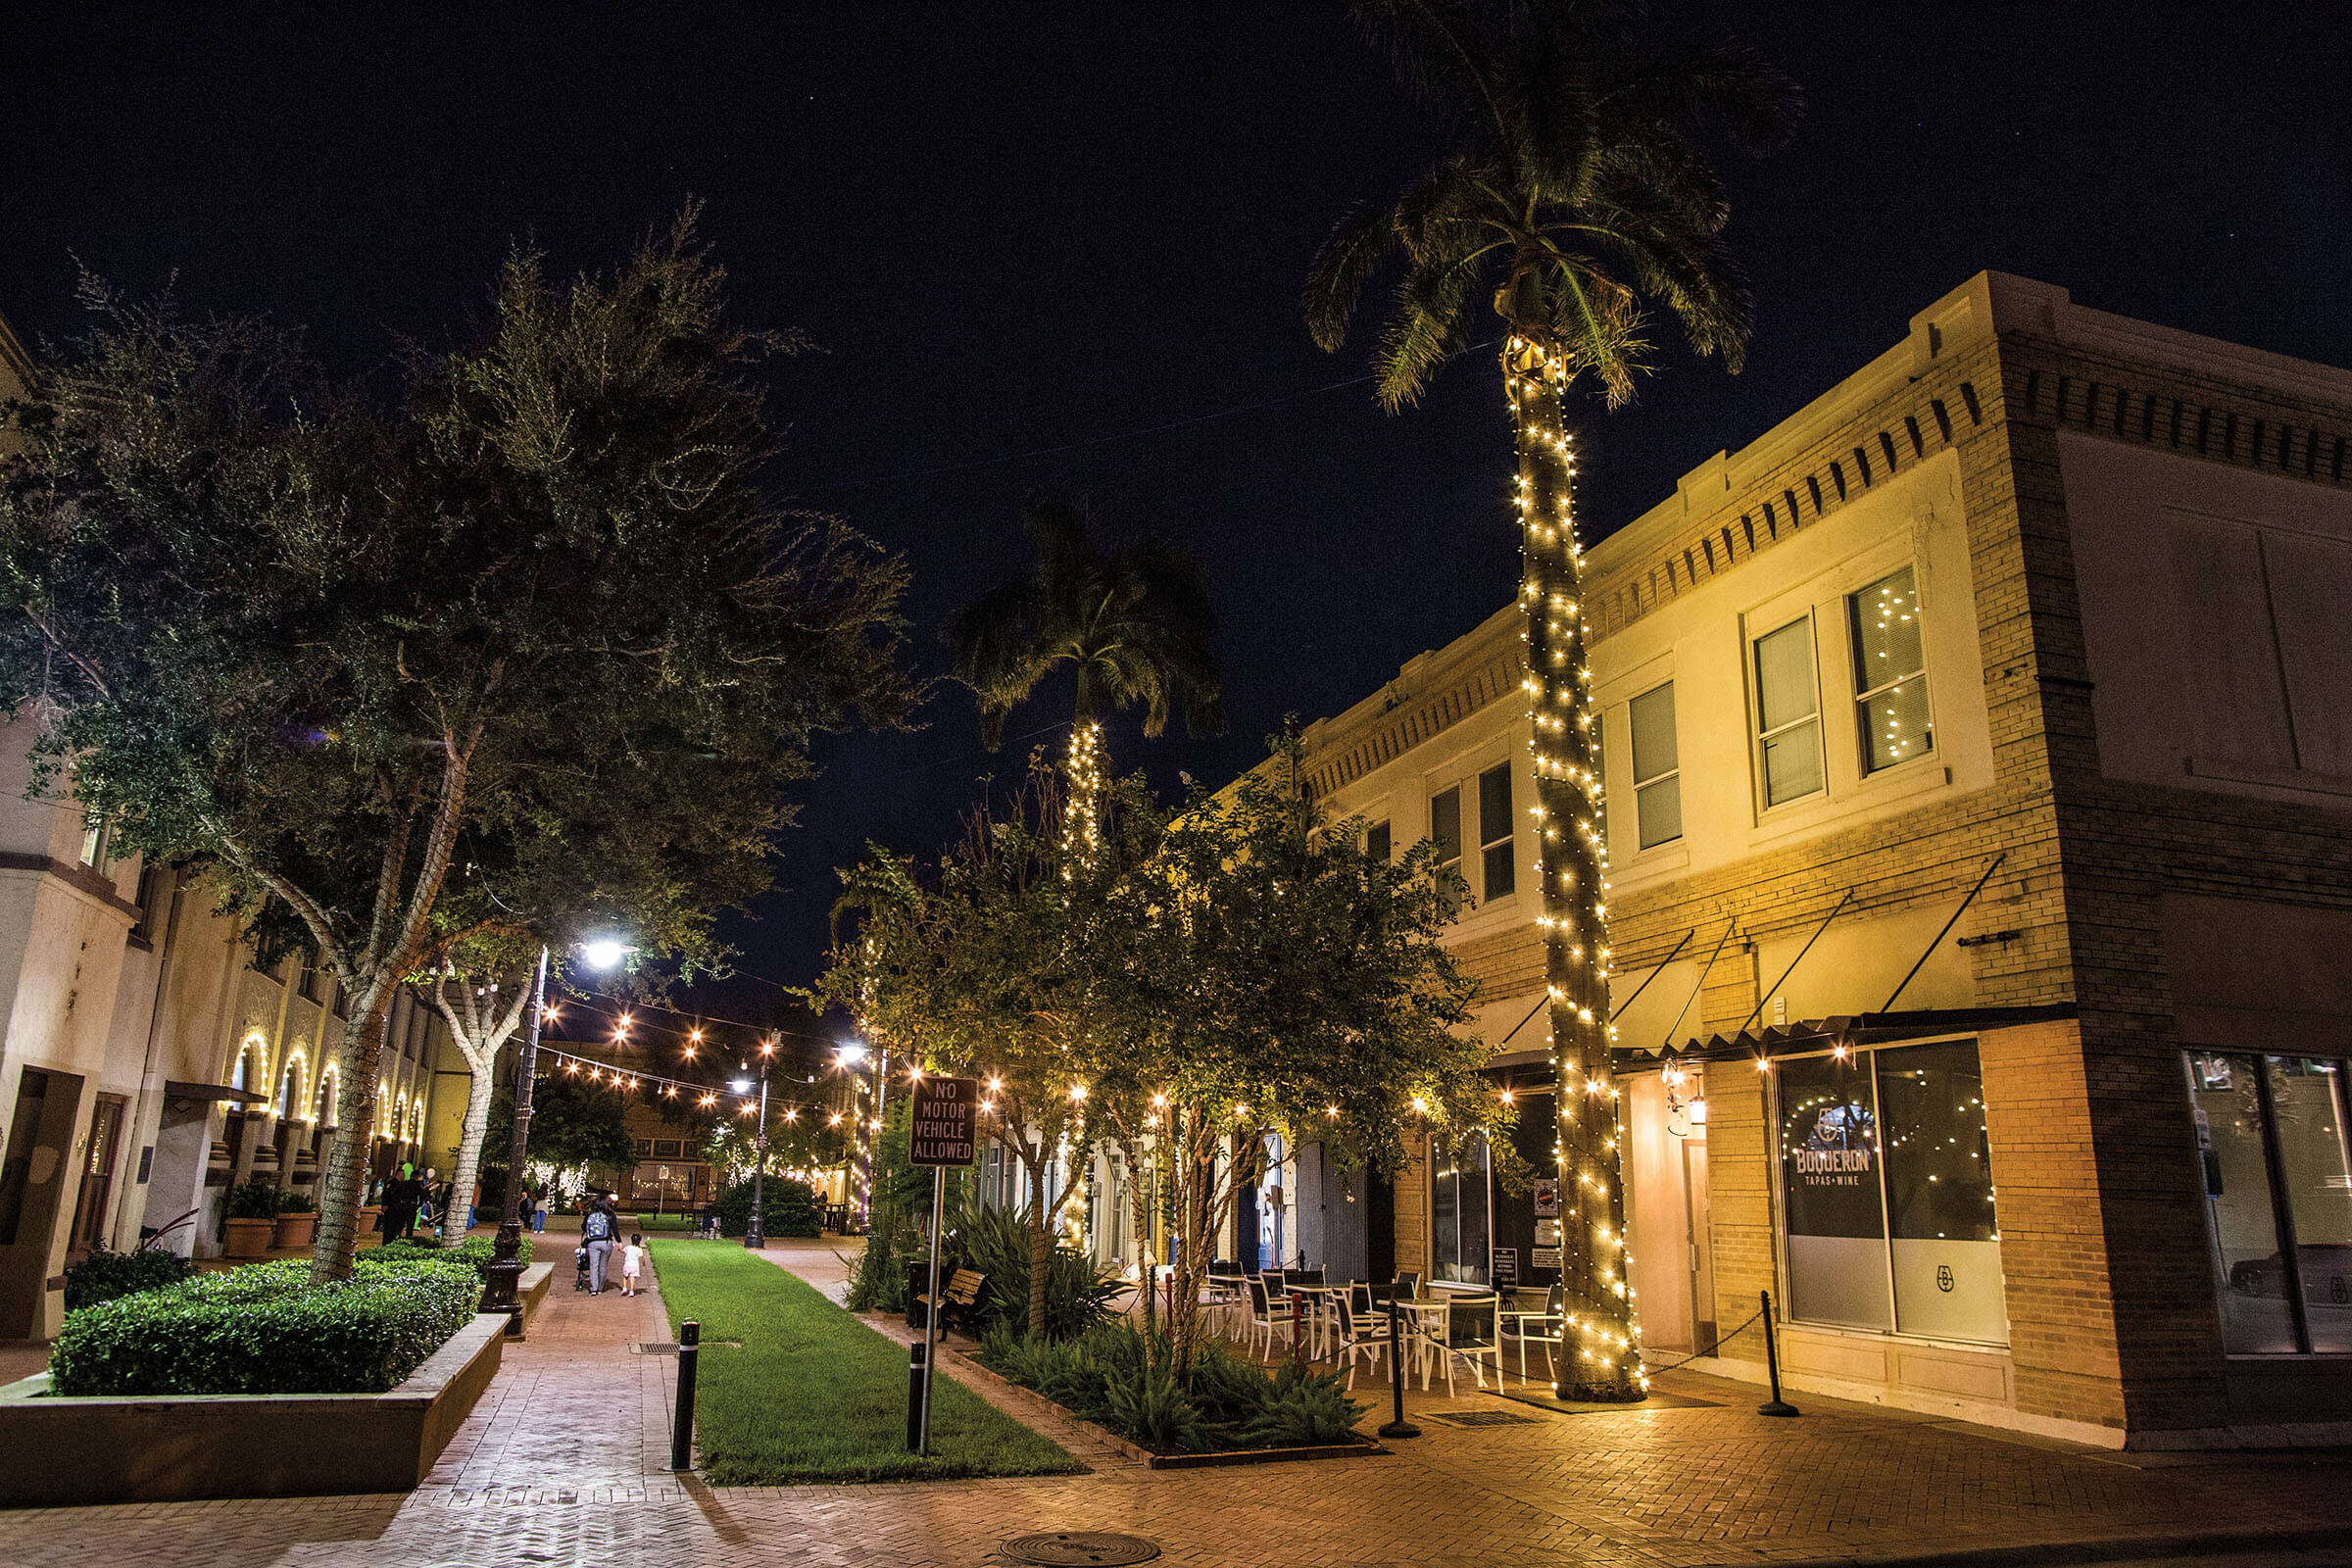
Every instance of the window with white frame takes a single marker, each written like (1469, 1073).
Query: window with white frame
(1446, 830)
(93, 842)
(1657, 767)
(1494, 829)
(1378, 844)
(1787, 714)
(1890, 673)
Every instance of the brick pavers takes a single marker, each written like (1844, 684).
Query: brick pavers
(562, 1463)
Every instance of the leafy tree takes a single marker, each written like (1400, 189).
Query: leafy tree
(535, 620)
(1576, 187)
(575, 1124)
(1262, 975)
(985, 967)
(1134, 624)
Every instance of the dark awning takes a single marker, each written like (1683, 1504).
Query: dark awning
(1849, 1029)
(184, 1091)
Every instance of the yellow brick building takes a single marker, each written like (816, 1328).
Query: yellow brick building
(1977, 747)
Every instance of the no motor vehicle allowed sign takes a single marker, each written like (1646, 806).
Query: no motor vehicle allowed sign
(945, 1113)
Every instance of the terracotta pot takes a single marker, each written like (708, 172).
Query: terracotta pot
(367, 1236)
(294, 1231)
(248, 1238)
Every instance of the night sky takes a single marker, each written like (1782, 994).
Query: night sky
(1059, 247)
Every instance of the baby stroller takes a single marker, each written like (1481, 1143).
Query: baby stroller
(579, 1264)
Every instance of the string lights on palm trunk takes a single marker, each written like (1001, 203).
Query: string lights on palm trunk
(1570, 870)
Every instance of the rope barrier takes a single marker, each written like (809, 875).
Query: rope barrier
(1720, 1340)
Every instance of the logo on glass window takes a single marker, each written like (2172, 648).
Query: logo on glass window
(1943, 1278)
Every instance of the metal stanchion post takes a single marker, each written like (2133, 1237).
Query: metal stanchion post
(916, 1366)
(1772, 1364)
(681, 1426)
(1399, 1427)
(939, 1223)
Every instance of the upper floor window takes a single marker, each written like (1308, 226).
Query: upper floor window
(1890, 682)
(1787, 714)
(1495, 828)
(1377, 842)
(93, 842)
(1657, 767)
(1446, 830)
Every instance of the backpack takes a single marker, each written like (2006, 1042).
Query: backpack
(596, 1227)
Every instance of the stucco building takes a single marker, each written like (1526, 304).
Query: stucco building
(1977, 749)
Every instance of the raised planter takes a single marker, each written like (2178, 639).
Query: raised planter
(295, 1231)
(66, 1453)
(976, 1372)
(247, 1237)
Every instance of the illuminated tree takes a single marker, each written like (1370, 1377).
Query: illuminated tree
(1134, 625)
(983, 966)
(1578, 190)
(337, 652)
(1260, 974)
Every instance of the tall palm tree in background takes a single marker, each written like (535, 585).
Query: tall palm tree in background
(1134, 624)
(1579, 191)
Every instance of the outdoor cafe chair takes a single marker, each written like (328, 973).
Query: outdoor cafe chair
(1470, 1334)
(1262, 1322)
(1355, 1334)
(1546, 1328)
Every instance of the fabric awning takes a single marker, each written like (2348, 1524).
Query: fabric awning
(1847, 1029)
(186, 1091)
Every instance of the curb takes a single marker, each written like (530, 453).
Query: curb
(2108, 1548)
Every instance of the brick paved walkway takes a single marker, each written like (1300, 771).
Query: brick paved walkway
(560, 1466)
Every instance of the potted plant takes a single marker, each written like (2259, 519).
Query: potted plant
(297, 1221)
(251, 1218)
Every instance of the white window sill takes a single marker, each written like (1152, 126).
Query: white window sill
(1650, 865)
(1921, 776)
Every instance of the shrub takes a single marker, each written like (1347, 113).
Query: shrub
(102, 1275)
(787, 1208)
(255, 1198)
(267, 1329)
(475, 1252)
(1112, 1374)
(294, 1202)
(995, 1243)
(879, 1280)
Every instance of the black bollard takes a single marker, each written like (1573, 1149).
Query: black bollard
(681, 1426)
(1771, 1365)
(914, 1396)
(1399, 1427)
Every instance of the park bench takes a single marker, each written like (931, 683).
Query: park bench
(963, 1292)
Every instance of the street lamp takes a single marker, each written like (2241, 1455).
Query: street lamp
(755, 1237)
(501, 1281)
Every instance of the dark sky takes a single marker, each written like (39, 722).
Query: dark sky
(1032, 238)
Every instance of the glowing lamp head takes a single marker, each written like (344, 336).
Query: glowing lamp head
(604, 952)
(739, 1085)
(850, 1054)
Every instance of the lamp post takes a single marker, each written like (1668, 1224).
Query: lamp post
(501, 1282)
(756, 1236)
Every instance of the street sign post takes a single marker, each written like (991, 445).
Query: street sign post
(941, 1125)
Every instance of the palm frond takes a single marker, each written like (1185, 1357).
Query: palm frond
(1360, 242)
(1440, 52)
(1721, 83)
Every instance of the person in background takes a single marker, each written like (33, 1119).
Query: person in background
(539, 1210)
(632, 1264)
(402, 1194)
(598, 1229)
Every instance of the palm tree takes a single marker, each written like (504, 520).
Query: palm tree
(1135, 624)
(1577, 189)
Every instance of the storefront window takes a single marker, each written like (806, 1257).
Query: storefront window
(1947, 1251)
(1829, 1185)
(1887, 1184)
(1461, 1230)
(2272, 1144)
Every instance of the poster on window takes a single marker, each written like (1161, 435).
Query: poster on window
(1830, 1187)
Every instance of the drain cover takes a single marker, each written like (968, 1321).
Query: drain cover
(1079, 1549)
(654, 1347)
(1486, 1418)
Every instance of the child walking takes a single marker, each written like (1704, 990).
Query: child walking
(633, 1262)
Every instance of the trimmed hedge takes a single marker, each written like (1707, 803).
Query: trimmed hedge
(787, 1208)
(105, 1275)
(474, 1251)
(265, 1329)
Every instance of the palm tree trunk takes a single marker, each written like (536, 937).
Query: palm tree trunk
(1607, 1364)
(459, 1216)
(1082, 765)
(1041, 1259)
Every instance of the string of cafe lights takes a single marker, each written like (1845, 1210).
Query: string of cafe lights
(744, 1102)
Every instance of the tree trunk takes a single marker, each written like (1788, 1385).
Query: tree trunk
(1607, 1362)
(1040, 1256)
(355, 1127)
(459, 1216)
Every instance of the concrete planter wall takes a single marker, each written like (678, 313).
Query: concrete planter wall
(75, 1451)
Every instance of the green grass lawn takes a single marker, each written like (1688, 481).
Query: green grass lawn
(814, 1394)
(661, 1222)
